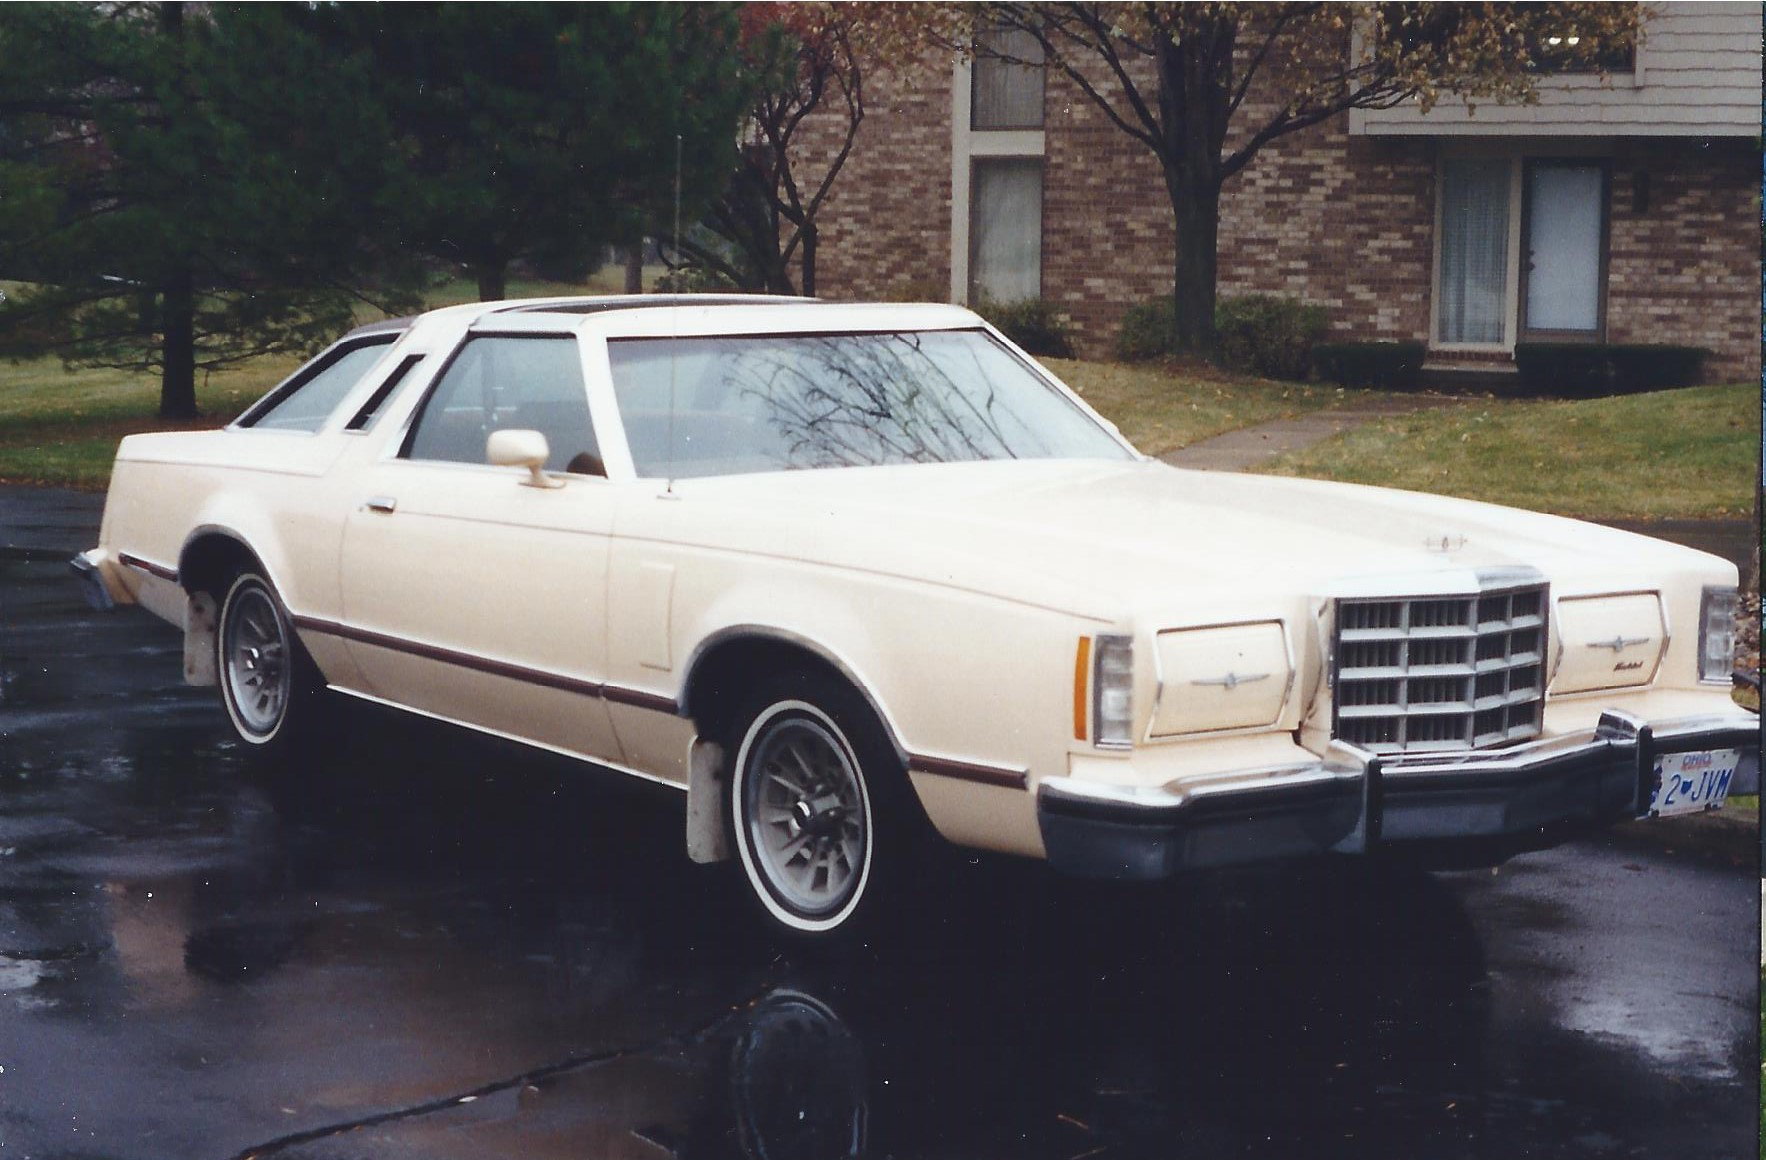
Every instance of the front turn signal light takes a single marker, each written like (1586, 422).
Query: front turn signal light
(1113, 691)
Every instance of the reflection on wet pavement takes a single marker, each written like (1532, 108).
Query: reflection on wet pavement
(416, 944)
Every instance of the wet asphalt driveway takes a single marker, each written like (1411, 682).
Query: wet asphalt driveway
(428, 946)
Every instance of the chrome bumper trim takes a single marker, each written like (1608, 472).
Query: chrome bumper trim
(1517, 798)
(90, 578)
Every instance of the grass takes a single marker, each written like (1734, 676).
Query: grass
(1673, 454)
(1163, 407)
(1684, 453)
(60, 427)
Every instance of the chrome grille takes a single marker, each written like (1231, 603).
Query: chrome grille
(1431, 673)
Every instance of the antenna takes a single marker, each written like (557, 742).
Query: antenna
(674, 317)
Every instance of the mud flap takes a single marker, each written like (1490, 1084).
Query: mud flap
(705, 803)
(199, 640)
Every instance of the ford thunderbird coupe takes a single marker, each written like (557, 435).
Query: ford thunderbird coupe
(859, 579)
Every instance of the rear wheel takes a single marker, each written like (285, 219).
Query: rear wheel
(819, 809)
(268, 683)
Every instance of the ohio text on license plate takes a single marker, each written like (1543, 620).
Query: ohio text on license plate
(1687, 782)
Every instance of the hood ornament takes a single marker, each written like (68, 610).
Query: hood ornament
(1445, 543)
(1232, 680)
(1619, 643)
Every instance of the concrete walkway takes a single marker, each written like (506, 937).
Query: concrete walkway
(1252, 447)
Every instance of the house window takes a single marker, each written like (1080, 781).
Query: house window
(1567, 51)
(1007, 80)
(1472, 298)
(1005, 229)
(1565, 253)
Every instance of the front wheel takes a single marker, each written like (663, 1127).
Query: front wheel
(819, 808)
(267, 681)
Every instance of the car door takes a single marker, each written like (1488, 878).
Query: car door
(468, 592)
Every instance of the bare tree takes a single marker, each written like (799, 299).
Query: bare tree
(1205, 86)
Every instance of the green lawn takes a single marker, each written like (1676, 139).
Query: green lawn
(61, 427)
(1687, 453)
(1161, 409)
(1680, 453)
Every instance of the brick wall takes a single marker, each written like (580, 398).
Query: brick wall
(1107, 235)
(1685, 267)
(1344, 221)
(884, 232)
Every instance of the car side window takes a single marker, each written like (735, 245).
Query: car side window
(503, 382)
(307, 399)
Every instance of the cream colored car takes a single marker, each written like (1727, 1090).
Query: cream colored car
(847, 574)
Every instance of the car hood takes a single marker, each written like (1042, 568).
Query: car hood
(1090, 537)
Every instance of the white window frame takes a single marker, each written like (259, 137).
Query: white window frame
(966, 145)
(1515, 152)
(1511, 317)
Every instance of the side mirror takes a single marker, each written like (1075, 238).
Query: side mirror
(519, 447)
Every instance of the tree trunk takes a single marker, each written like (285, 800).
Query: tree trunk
(177, 302)
(809, 259)
(177, 388)
(493, 281)
(634, 267)
(1195, 106)
(1196, 215)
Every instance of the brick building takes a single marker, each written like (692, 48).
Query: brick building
(1624, 209)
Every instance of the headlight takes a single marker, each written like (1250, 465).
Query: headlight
(1113, 691)
(1717, 635)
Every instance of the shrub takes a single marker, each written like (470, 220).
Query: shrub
(1586, 370)
(1146, 330)
(1032, 323)
(1656, 367)
(1386, 365)
(1261, 333)
(1567, 370)
(1271, 336)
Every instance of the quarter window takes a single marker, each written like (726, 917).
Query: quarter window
(307, 399)
(498, 382)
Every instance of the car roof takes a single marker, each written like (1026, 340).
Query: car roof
(575, 310)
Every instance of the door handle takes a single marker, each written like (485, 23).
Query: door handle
(380, 503)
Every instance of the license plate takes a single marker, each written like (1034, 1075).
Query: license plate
(1689, 782)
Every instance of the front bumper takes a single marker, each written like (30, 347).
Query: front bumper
(1357, 803)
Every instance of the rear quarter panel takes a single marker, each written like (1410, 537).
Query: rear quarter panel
(269, 491)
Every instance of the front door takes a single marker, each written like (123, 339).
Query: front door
(468, 593)
(1565, 251)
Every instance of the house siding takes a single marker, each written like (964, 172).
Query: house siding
(1698, 74)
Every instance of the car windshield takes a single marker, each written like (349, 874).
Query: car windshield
(724, 405)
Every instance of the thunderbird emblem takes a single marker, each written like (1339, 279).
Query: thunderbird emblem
(1232, 680)
(1619, 643)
